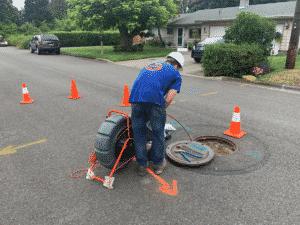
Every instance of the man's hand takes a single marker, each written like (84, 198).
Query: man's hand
(171, 94)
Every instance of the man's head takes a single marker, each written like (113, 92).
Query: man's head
(176, 59)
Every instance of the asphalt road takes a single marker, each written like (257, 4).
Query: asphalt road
(36, 186)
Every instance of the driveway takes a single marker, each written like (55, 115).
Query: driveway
(190, 66)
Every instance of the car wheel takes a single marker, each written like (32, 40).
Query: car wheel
(57, 52)
(197, 60)
(38, 51)
(31, 50)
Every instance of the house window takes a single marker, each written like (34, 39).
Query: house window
(191, 33)
(169, 30)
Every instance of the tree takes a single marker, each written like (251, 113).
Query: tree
(37, 11)
(180, 4)
(58, 9)
(129, 16)
(294, 40)
(8, 13)
(251, 28)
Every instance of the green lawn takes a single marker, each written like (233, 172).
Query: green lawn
(279, 75)
(108, 53)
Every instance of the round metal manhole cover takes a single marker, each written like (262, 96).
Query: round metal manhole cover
(189, 153)
(219, 145)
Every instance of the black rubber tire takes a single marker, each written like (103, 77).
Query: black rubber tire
(31, 50)
(38, 51)
(57, 52)
(110, 141)
(111, 138)
(197, 60)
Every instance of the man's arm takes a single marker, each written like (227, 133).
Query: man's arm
(171, 94)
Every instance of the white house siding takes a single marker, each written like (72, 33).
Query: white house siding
(218, 28)
(217, 31)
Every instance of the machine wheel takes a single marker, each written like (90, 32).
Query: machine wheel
(38, 51)
(31, 50)
(110, 140)
(57, 52)
(197, 60)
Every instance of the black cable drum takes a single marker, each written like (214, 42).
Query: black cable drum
(111, 138)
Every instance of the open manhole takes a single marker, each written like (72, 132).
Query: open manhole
(189, 153)
(219, 145)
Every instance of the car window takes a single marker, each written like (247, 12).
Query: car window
(49, 38)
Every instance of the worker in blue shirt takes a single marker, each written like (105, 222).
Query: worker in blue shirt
(151, 93)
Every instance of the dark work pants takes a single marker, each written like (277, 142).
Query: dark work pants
(141, 113)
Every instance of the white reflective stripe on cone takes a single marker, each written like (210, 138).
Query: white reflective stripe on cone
(236, 117)
(25, 91)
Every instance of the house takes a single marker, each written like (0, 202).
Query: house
(213, 22)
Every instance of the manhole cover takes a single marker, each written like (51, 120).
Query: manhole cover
(220, 146)
(189, 153)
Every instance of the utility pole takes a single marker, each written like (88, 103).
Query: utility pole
(294, 40)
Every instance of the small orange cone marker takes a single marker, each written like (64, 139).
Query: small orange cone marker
(74, 92)
(126, 97)
(26, 96)
(235, 126)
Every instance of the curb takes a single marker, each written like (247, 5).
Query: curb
(82, 56)
(294, 88)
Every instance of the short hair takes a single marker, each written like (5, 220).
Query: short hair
(172, 61)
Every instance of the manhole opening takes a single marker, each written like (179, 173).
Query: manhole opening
(219, 145)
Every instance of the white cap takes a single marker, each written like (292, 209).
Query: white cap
(178, 57)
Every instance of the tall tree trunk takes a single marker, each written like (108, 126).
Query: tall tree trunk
(294, 40)
(126, 40)
(160, 39)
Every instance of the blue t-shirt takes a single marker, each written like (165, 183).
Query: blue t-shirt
(154, 82)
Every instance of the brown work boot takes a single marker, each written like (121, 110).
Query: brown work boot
(142, 170)
(158, 169)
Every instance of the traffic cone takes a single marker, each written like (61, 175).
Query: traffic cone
(74, 92)
(235, 126)
(126, 97)
(26, 96)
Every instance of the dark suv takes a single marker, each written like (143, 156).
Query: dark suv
(198, 49)
(44, 42)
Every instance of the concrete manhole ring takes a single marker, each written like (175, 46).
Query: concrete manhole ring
(189, 153)
(219, 145)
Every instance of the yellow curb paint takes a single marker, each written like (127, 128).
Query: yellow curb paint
(210, 93)
(11, 150)
(181, 100)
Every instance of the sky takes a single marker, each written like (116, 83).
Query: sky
(19, 4)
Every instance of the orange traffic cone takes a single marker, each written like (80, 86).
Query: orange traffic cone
(235, 126)
(126, 97)
(74, 92)
(26, 96)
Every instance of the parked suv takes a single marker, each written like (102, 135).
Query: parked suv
(198, 49)
(44, 42)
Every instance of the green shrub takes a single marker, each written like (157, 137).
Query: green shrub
(156, 43)
(195, 42)
(229, 59)
(252, 28)
(133, 48)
